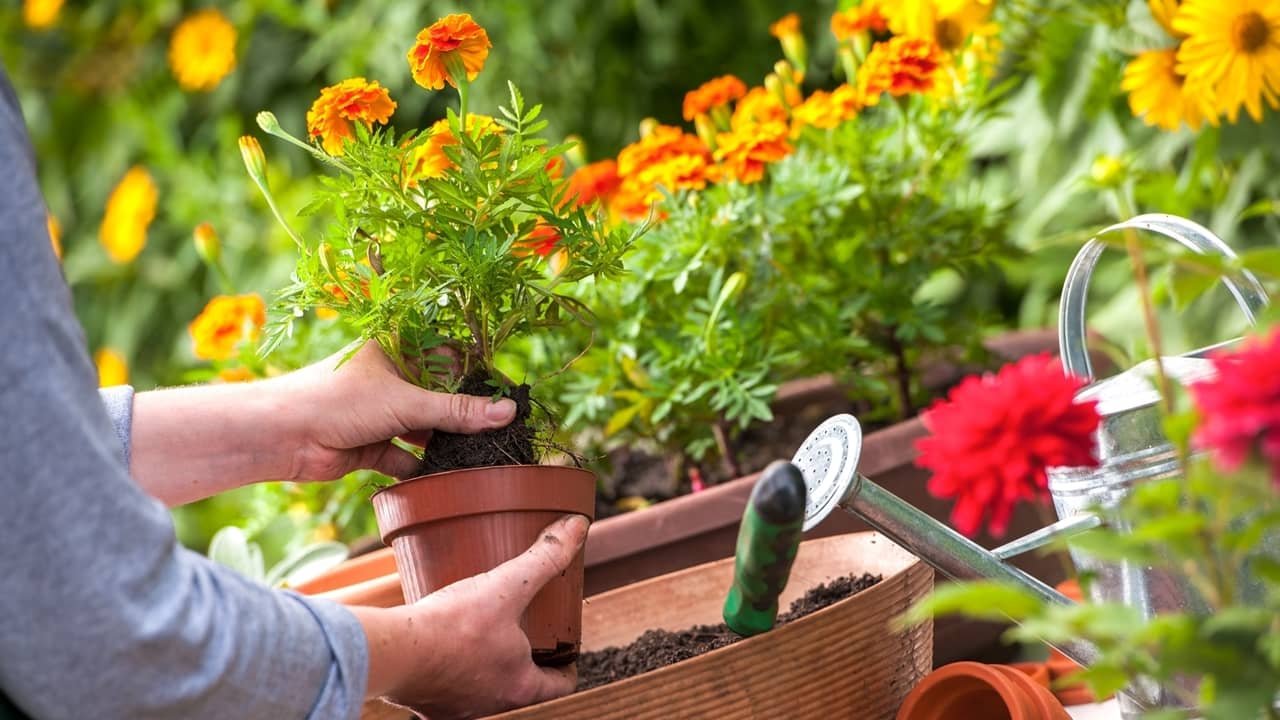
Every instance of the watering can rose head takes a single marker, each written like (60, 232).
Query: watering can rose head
(994, 436)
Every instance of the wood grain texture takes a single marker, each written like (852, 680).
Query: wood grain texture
(840, 662)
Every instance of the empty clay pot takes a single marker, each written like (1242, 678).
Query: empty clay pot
(453, 525)
(970, 690)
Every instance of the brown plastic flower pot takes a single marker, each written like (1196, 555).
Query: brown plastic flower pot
(449, 526)
(970, 690)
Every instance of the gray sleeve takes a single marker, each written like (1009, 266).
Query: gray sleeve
(118, 401)
(102, 612)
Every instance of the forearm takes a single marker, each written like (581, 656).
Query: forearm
(392, 643)
(193, 442)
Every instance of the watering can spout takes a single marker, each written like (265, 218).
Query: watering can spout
(829, 461)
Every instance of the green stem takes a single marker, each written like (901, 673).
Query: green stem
(462, 103)
(271, 203)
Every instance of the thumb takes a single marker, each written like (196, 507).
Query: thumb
(419, 409)
(550, 556)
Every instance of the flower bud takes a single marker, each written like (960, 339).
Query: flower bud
(647, 127)
(254, 160)
(576, 154)
(207, 245)
(1108, 171)
(268, 122)
(558, 261)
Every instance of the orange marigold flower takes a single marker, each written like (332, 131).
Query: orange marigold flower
(632, 201)
(329, 119)
(859, 19)
(202, 50)
(758, 106)
(555, 167)
(540, 241)
(130, 210)
(899, 66)
(744, 152)
(826, 110)
(235, 374)
(427, 160)
(713, 94)
(598, 181)
(452, 43)
(662, 142)
(785, 26)
(224, 323)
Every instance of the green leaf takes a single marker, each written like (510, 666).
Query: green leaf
(1262, 260)
(984, 599)
(1186, 285)
(621, 419)
(231, 547)
(306, 563)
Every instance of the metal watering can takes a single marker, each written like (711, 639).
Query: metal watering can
(1131, 446)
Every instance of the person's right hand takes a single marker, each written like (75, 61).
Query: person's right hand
(460, 652)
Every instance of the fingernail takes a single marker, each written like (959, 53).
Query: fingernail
(576, 525)
(501, 411)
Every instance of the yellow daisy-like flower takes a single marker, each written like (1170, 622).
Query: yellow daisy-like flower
(202, 50)
(40, 14)
(112, 368)
(1235, 48)
(130, 210)
(1161, 96)
(949, 23)
(1163, 11)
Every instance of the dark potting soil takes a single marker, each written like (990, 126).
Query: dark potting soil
(659, 648)
(511, 445)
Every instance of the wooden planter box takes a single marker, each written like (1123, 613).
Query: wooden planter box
(841, 662)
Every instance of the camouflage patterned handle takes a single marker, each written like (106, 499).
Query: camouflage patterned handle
(767, 542)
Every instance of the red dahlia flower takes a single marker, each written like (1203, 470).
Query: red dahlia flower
(994, 435)
(1240, 409)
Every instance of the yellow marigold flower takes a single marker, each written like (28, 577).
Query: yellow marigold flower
(356, 99)
(745, 152)
(235, 374)
(55, 234)
(1161, 96)
(826, 110)
(452, 45)
(40, 14)
(1234, 48)
(949, 23)
(202, 50)
(866, 17)
(713, 94)
(130, 210)
(900, 66)
(758, 106)
(112, 368)
(325, 313)
(225, 322)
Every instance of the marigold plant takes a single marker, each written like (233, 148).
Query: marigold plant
(445, 243)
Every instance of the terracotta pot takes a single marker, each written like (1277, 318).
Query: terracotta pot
(702, 527)
(1037, 671)
(453, 525)
(370, 566)
(970, 690)
(840, 662)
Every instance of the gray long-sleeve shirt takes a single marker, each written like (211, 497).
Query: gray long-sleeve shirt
(102, 613)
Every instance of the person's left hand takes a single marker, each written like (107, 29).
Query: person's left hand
(348, 416)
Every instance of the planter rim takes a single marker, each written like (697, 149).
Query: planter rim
(513, 488)
(477, 470)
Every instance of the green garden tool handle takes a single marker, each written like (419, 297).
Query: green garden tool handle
(767, 542)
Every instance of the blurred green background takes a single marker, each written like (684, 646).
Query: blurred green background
(99, 98)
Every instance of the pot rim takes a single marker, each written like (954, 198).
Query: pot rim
(476, 470)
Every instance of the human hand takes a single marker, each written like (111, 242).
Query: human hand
(347, 415)
(460, 652)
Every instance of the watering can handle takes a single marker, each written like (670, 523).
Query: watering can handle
(1244, 287)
